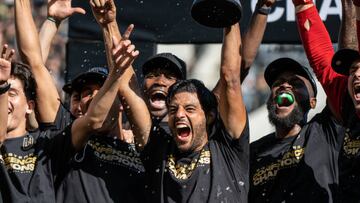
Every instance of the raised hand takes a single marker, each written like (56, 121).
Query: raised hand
(104, 11)
(61, 9)
(128, 32)
(123, 54)
(5, 63)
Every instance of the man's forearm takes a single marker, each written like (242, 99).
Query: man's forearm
(231, 105)
(347, 34)
(138, 113)
(251, 41)
(26, 34)
(47, 33)
(109, 31)
(95, 117)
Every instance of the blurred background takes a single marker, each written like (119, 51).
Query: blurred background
(203, 59)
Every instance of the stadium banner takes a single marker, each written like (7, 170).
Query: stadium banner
(169, 21)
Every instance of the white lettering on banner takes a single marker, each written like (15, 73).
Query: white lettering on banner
(327, 8)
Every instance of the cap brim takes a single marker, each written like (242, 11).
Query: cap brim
(67, 88)
(88, 77)
(163, 62)
(275, 68)
(343, 59)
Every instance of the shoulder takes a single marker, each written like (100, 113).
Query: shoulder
(262, 142)
(323, 119)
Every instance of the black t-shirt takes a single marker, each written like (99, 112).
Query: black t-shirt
(106, 170)
(349, 161)
(217, 173)
(303, 168)
(62, 120)
(30, 163)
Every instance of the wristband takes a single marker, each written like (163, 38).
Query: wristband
(4, 88)
(264, 10)
(302, 2)
(57, 22)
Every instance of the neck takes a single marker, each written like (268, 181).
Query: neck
(284, 133)
(17, 132)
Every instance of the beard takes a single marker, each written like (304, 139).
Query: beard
(296, 116)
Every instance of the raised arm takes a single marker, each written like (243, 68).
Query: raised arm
(57, 11)
(357, 13)
(347, 33)
(134, 105)
(99, 108)
(319, 51)
(254, 35)
(5, 70)
(231, 105)
(105, 14)
(29, 47)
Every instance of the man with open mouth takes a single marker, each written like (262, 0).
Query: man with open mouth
(205, 159)
(297, 162)
(339, 76)
(160, 72)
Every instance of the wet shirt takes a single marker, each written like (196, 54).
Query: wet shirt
(29, 165)
(302, 168)
(106, 170)
(217, 173)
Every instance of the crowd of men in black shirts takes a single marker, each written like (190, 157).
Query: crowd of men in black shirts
(186, 143)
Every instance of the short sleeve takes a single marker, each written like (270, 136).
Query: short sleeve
(241, 145)
(62, 120)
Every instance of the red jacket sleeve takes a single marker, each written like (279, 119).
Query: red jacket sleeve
(319, 51)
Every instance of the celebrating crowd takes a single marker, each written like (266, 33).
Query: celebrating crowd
(181, 142)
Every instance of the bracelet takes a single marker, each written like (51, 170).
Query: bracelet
(57, 22)
(264, 10)
(4, 88)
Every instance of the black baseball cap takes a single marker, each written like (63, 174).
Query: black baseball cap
(96, 74)
(343, 59)
(166, 60)
(275, 68)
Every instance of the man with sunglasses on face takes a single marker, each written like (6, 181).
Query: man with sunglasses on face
(298, 162)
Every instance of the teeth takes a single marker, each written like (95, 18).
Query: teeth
(181, 126)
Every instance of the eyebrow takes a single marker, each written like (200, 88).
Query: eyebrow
(13, 89)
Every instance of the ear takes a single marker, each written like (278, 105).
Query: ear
(30, 106)
(313, 102)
